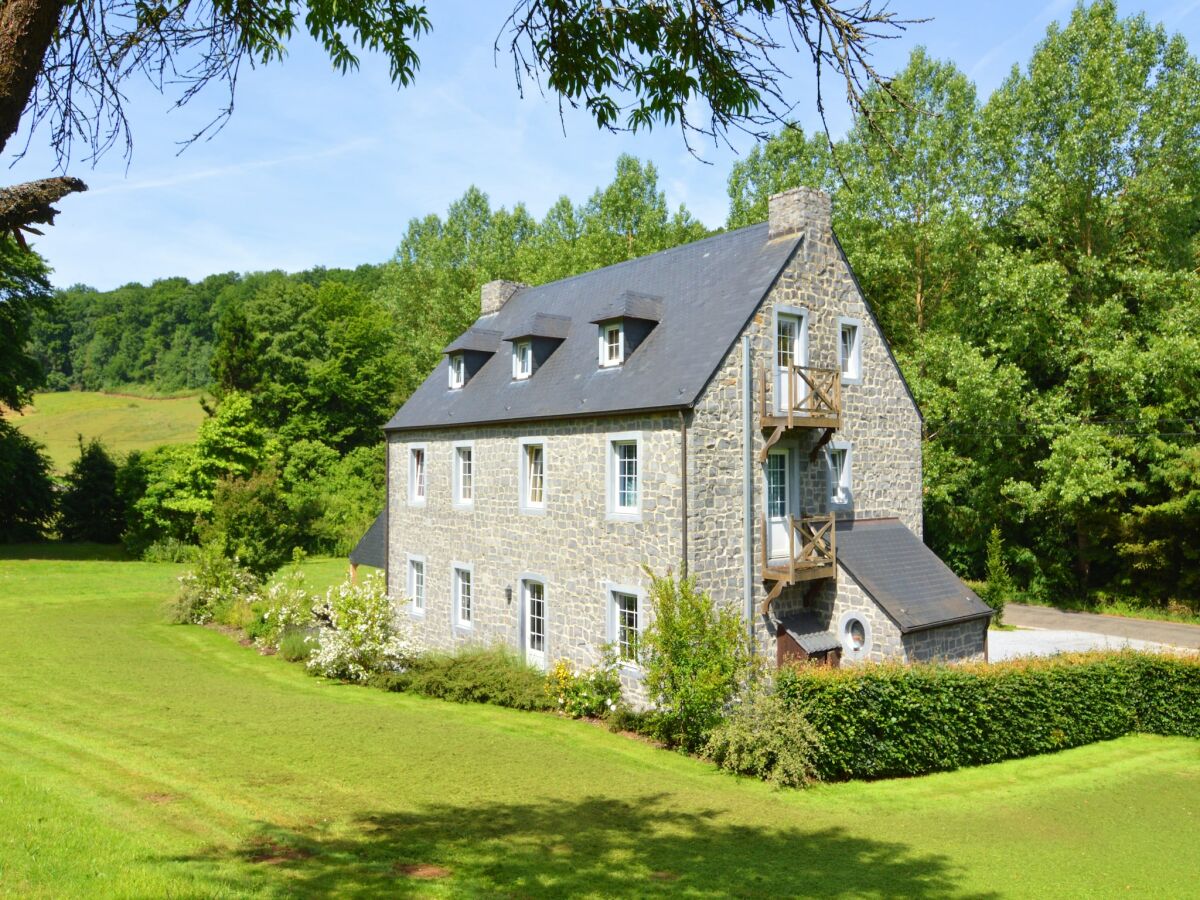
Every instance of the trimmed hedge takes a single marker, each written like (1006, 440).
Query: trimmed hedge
(891, 720)
(491, 675)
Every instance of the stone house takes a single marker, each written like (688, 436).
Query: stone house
(729, 406)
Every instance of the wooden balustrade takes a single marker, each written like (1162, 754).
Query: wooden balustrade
(812, 398)
(812, 550)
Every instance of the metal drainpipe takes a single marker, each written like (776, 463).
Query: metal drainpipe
(748, 487)
(683, 467)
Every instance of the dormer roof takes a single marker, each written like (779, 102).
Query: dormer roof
(540, 325)
(630, 305)
(477, 340)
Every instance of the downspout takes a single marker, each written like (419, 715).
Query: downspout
(683, 468)
(748, 488)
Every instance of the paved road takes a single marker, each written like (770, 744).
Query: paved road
(1047, 642)
(1174, 634)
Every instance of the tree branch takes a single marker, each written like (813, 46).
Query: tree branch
(25, 205)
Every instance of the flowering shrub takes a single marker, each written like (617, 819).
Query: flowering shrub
(765, 738)
(593, 692)
(358, 633)
(211, 587)
(284, 606)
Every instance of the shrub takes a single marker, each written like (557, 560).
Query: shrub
(285, 604)
(358, 633)
(697, 658)
(211, 587)
(170, 550)
(90, 508)
(492, 675)
(590, 693)
(891, 720)
(296, 644)
(624, 718)
(251, 519)
(999, 588)
(766, 738)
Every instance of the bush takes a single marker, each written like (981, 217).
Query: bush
(296, 644)
(285, 604)
(587, 694)
(212, 587)
(251, 519)
(170, 550)
(624, 718)
(999, 588)
(358, 634)
(28, 506)
(90, 508)
(697, 658)
(891, 720)
(766, 738)
(492, 675)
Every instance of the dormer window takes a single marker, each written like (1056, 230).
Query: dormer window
(612, 344)
(458, 371)
(522, 360)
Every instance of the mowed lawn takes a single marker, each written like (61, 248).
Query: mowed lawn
(144, 759)
(121, 422)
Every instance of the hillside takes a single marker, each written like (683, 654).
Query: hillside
(121, 421)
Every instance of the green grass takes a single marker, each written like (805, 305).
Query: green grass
(123, 422)
(144, 759)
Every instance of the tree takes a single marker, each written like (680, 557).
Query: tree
(24, 291)
(91, 508)
(630, 66)
(28, 507)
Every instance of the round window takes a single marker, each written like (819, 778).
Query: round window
(855, 632)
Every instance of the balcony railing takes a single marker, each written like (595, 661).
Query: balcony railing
(811, 554)
(801, 396)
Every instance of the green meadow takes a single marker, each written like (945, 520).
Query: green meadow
(123, 422)
(142, 759)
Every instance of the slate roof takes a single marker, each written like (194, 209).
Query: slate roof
(482, 340)
(807, 631)
(904, 576)
(371, 549)
(706, 292)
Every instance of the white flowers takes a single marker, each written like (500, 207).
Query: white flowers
(358, 633)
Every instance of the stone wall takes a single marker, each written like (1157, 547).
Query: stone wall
(879, 421)
(963, 641)
(572, 546)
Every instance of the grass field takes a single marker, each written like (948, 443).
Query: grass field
(123, 422)
(144, 759)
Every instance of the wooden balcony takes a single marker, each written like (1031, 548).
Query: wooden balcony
(814, 399)
(812, 553)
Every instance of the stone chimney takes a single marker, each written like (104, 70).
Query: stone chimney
(792, 212)
(495, 294)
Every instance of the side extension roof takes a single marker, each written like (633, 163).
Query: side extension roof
(904, 576)
(706, 292)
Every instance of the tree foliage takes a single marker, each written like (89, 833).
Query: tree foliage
(91, 508)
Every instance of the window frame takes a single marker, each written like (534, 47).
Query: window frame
(855, 375)
(522, 351)
(457, 569)
(523, 582)
(523, 500)
(605, 329)
(612, 591)
(458, 371)
(616, 512)
(414, 559)
(846, 481)
(843, 632)
(413, 450)
(456, 480)
(800, 354)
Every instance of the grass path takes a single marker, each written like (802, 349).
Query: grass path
(143, 759)
(123, 422)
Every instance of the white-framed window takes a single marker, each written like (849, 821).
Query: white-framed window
(532, 474)
(625, 475)
(416, 584)
(791, 350)
(462, 580)
(612, 344)
(625, 622)
(458, 371)
(522, 360)
(417, 474)
(850, 350)
(464, 475)
(533, 597)
(841, 459)
(854, 630)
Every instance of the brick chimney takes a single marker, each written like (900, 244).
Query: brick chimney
(792, 212)
(495, 294)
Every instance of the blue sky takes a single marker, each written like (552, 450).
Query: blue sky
(317, 168)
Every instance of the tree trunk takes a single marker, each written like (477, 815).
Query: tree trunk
(26, 30)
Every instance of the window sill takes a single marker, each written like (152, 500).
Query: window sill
(532, 510)
(848, 379)
(416, 613)
(417, 504)
(463, 507)
(624, 516)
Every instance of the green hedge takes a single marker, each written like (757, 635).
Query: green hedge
(886, 721)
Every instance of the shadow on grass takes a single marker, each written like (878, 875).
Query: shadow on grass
(592, 846)
(67, 552)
